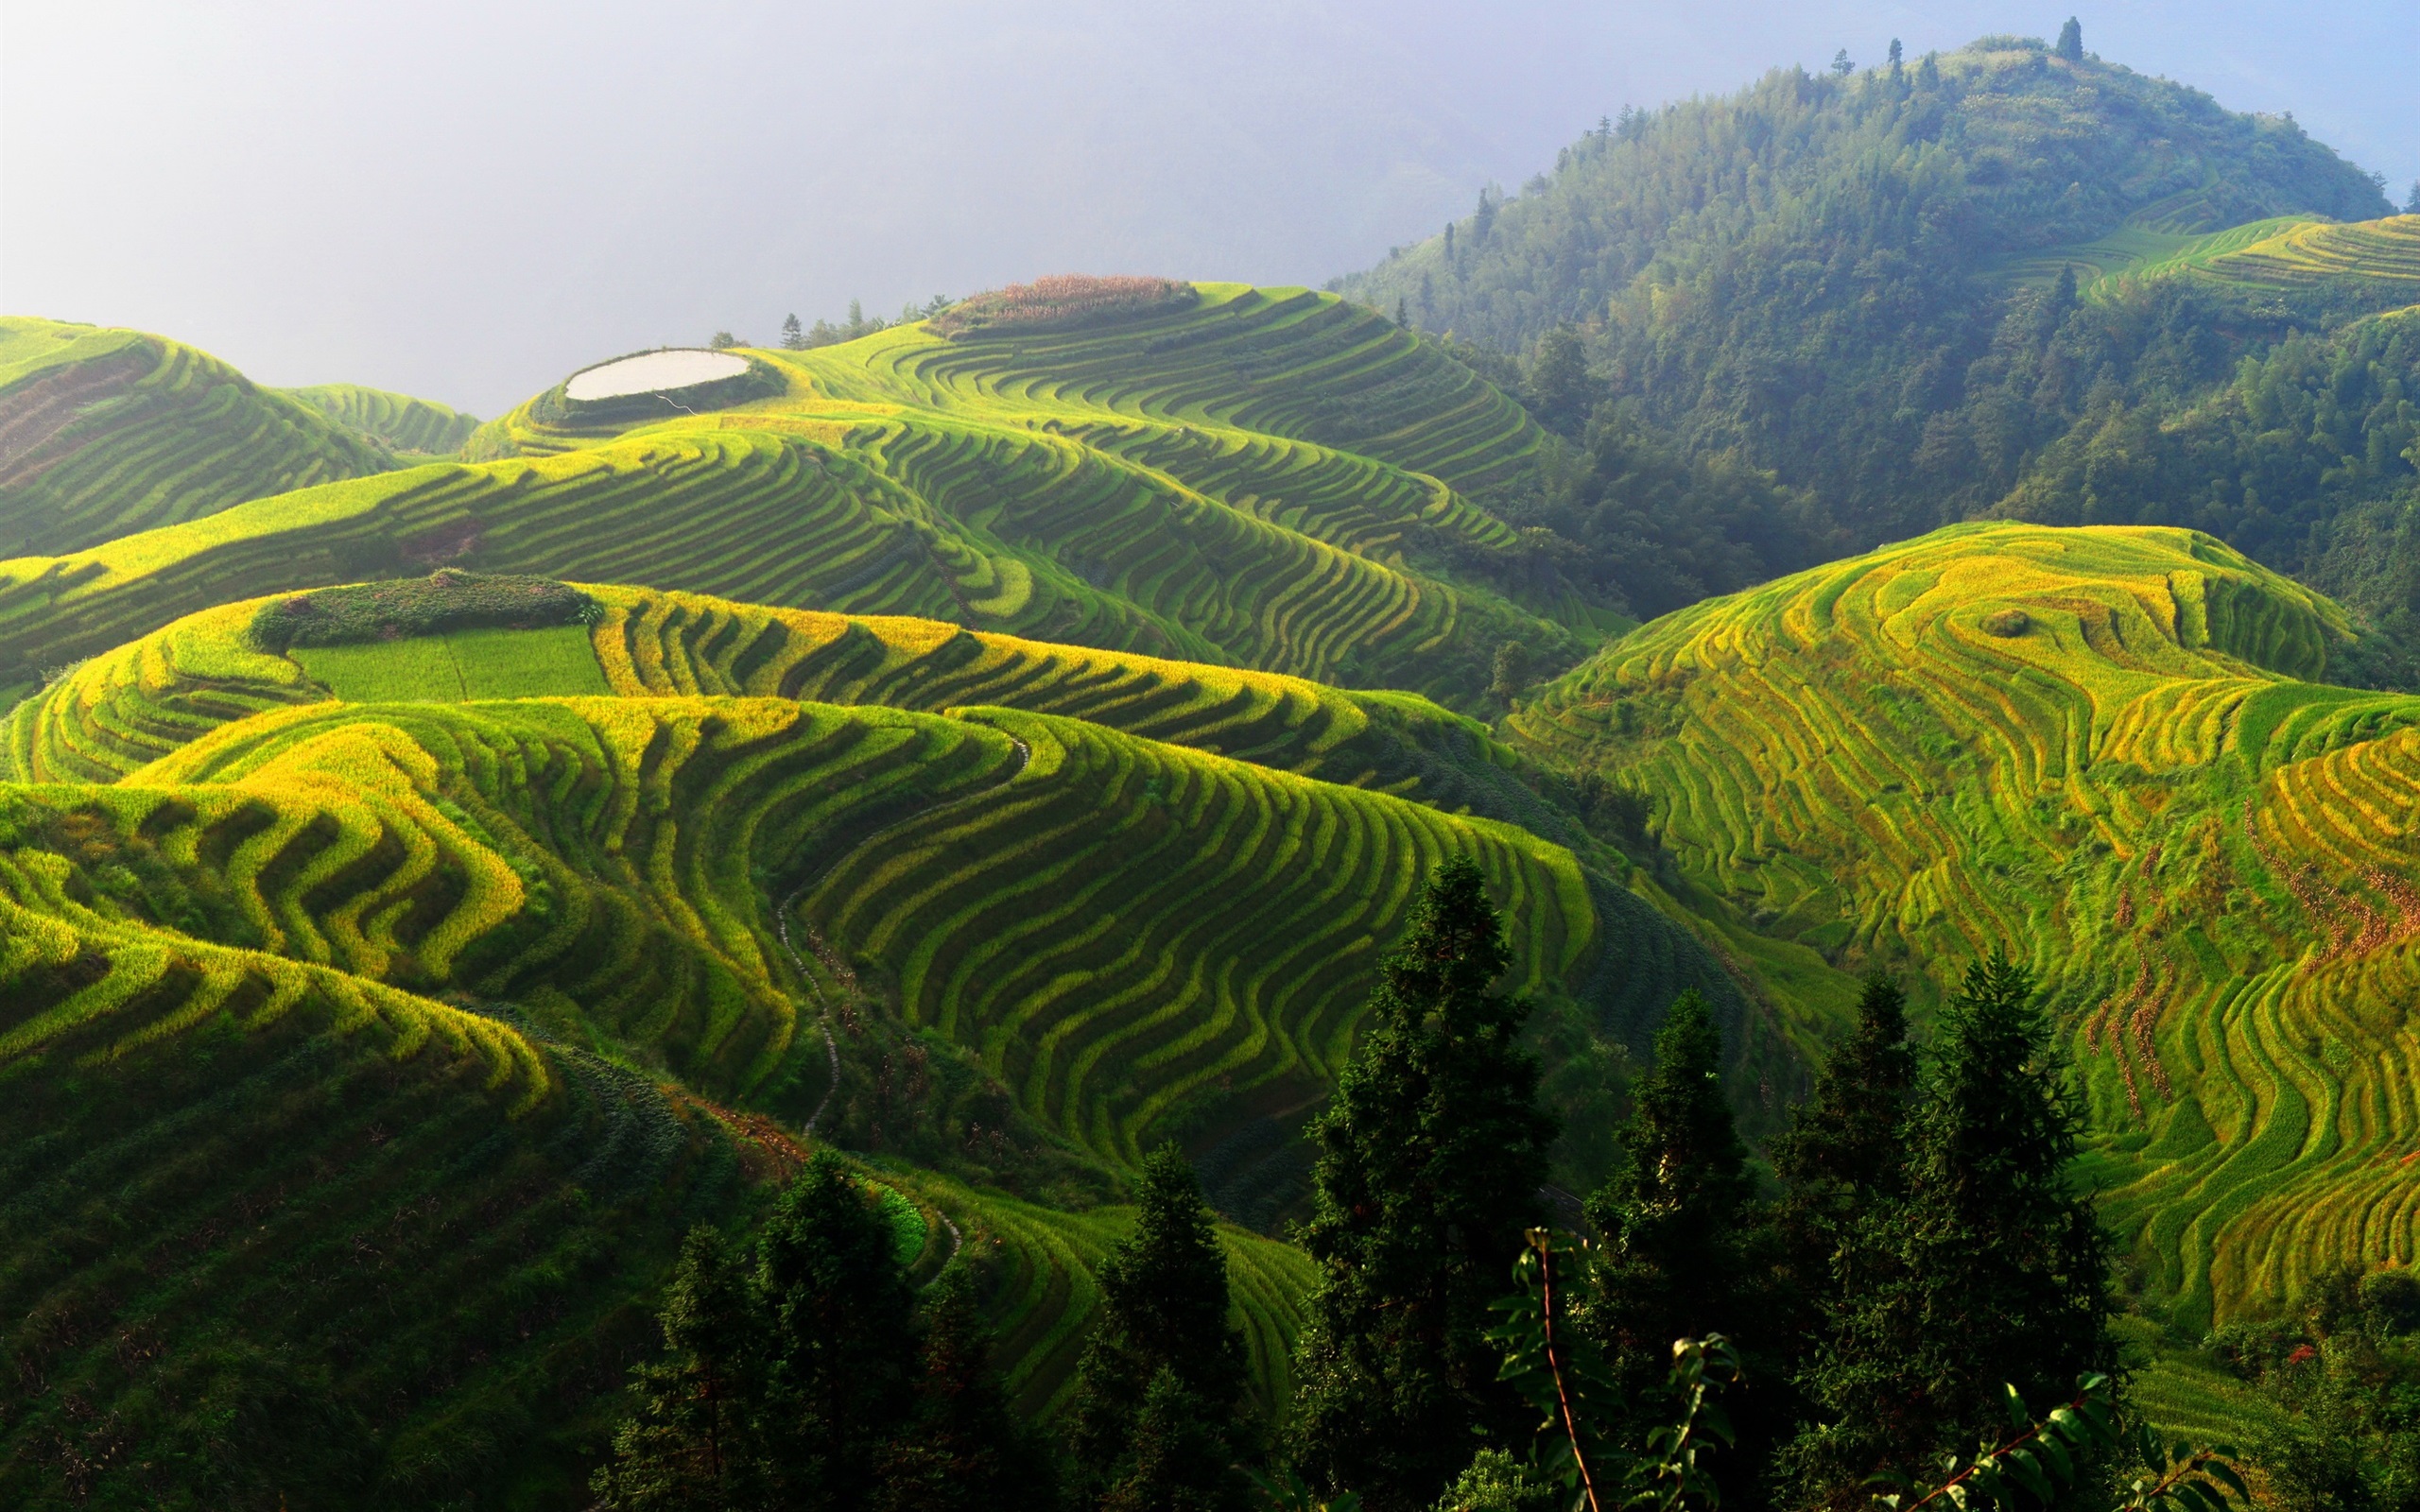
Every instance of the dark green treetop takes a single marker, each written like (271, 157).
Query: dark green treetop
(841, 1316)
(1991, 1272)
(1163, 1336)
(1432, 1156)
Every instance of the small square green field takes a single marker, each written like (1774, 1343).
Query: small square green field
(458, 667)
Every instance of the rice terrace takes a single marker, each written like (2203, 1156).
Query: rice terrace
(1744, 833)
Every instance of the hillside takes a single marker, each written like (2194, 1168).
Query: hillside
(105, 433)
(1851, 280)
(1267, 480)
(421, 427)
(670, 929)
(2294, 255)
(2111, 750)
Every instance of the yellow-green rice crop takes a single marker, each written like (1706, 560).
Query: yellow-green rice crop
(2109, 749)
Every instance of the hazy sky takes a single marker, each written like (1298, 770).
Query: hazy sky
(466, 201)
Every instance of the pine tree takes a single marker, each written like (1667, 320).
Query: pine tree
(839, 1314)
(1677, 1217)
(1163, 1313)
(1177, 1459)
(1895, 55)
(2072, 41)
(1432, 1156)
(959, 1449)
(793, 334)
(1843, 1160)
(1993, 1269)
(1403, 312)
(2412, 204)
(690, 1444)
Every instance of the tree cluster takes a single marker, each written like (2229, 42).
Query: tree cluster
(1923, 1256)
(803, 1372)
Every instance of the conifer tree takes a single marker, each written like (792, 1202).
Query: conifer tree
(2072, 41)
(793, 334)
(1177, 1459)
(1993, 1269)
(839, 1314)
(1680, 1233)
(1843, 1162)
(959, 1449)
(1431, 1154)
(690, 1444)
(1164, 1335)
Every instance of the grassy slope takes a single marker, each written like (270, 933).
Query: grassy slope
(109, 432)
(1256, 482)
(2204, 855)
(398, 421)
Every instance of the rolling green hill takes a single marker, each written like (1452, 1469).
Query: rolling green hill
(104, 433)
(1263, 479)
(405, 424)
(2109, 749)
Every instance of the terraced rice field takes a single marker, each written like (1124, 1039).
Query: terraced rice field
(295, 1160)
(1136, 938)
(133, 705)
(1044, 1258)
(2376, 259)
(1273, 480)
(104, 433)
(2099, 747)
(398, 421)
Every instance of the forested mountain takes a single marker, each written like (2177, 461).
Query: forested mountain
(1879, 286)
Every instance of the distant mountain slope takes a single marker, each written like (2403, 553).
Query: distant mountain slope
(399, 420)
(1790, 272)
(104, 433)
(2099, 748)
(1159, 485)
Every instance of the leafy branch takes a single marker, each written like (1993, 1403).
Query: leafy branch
(1565, 1379)
(2039, 1461)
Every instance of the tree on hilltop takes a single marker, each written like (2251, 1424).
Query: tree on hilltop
(2070, 46)
(793, 334)
(1557, 387)
(1430, 1157)
(1160, 1391)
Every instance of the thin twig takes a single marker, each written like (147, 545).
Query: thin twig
(1562, 1398)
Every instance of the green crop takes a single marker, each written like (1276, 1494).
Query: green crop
(113, 432)
(1274, 480)
(2136, 780)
